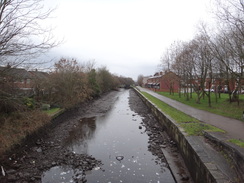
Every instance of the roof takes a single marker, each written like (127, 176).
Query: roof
(39, 75)
(15, 72)
(155, 77)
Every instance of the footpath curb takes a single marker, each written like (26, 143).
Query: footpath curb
(233, 152)
(56, 114)
(203, 162)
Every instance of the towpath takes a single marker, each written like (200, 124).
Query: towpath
(233, 127)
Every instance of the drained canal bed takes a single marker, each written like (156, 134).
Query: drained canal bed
(120, 141)
(113, 139)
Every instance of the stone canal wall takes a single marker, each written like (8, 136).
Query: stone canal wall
(191, 148)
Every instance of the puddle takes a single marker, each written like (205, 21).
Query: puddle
(80, 136)
(117, 139)
(58, 175)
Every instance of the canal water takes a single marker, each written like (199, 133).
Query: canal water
(120, 141)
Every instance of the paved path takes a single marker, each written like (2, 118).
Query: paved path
(233, 127)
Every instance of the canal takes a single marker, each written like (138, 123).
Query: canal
(121, 141)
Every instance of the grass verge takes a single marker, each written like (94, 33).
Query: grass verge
(52, 111)
(221, 107)
(191, 125)
(237, 142)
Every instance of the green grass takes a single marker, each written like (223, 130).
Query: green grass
(52, 111)
(197, 128)
(222, 106)
(178, 116)
(191, 125)
(237, 142)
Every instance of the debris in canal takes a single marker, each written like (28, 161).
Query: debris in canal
(3, 172)
(119, 158)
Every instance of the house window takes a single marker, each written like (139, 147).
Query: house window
(28, 81)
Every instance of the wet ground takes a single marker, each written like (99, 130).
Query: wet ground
(112, 139)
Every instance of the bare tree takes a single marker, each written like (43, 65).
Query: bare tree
(183, 66)
(211, 59)
(68, 84)
(140, 80)
(170, 61)
(230, 16)
(192, 63)
(21, 35)
(188, 57)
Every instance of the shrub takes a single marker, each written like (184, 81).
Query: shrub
(29, 102)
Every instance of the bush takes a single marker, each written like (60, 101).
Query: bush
(9, 104)
(29, 102)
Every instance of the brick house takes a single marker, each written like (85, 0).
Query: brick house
(166, 82)
(19, 81)
(144, 80)
(15, 80)
(220, 84)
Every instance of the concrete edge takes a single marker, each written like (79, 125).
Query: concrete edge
(56, 114)
(234, 153)
(200, 169)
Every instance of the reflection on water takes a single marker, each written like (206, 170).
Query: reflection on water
(79, 137)
(119, 140)
(58, 174)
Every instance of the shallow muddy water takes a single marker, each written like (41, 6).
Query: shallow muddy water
(120, 141)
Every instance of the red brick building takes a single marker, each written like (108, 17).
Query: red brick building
(15, 79)
(19, 81)
(167, 82)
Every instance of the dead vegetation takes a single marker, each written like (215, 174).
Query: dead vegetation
(16, 127)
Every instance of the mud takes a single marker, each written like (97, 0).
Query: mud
(44, 150)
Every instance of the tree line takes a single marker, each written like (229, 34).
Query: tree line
(72, 83)
(214, 57)
(68, 84)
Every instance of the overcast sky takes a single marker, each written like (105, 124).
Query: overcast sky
(126, 36)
